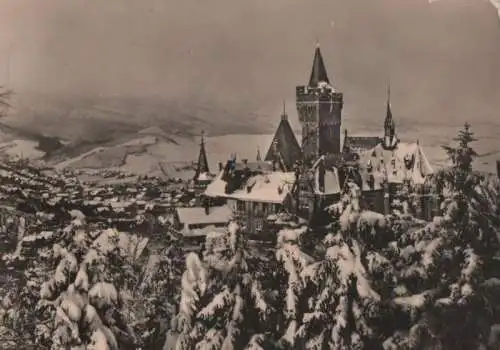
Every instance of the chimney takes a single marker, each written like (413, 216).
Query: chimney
(220, 166)
(207, 206)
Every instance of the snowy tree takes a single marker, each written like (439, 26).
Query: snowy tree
(343, 305)
(5, 96)
(289, 302)
(147, 284)
(155, 299)
(81, 299)
(23, 279)
(441, 268)
(222, 306)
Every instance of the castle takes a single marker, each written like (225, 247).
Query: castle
(305, 178)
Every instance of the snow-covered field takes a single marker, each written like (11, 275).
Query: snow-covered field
(153, 152)
(22, 148)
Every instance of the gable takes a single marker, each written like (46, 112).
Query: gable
(406, 161)
(284, 146)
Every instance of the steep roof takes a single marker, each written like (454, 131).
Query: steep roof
(361, 143)
(266, 187)
(406, 161)
(318, 72)
(198, 215)
(254, 166)
(284, 147)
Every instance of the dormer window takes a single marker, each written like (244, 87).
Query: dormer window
(369, 166)
(409, 161)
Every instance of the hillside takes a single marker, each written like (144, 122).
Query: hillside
(101, 119)
(151, 152)
(158, 137)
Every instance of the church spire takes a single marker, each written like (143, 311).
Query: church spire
(202, 166)
(389, 121)
(389, 126)
(258, 158)
(284, 116)
(318, 73)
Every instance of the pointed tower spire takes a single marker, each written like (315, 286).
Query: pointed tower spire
(259, 158)
(202, 166)
(389, 126)
(284, 116)
(318, 73)
(389, 122)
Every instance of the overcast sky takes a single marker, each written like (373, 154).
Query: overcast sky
(443, 60)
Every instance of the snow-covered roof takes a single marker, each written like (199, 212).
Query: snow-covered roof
(204, 231)
(361, 143)
(254, 166)
(198, 215)
(268, 187)
(406, 161)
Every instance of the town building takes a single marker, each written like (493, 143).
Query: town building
(308, 177)
(194, 221)
(253, 191)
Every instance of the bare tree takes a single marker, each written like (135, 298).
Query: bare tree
(5, 96)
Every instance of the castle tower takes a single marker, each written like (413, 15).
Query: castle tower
(319, 107)
(390, 139)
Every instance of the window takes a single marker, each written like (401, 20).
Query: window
(263, 208)
(258, 208)
(259, 224)
(240, 206)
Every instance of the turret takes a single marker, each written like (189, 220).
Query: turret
(202, 175)
(390, 139)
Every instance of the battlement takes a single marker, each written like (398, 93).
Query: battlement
(326, 93)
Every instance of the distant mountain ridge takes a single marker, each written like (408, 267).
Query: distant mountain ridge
(101, 118)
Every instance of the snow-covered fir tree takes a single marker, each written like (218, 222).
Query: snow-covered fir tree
(222, 306)
(82, 300)
(289, 303)
(441, 268)
(155, 300)
(146, 284)
(341, 303)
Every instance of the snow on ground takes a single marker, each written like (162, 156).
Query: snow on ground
(82, 156)
(154, 152)
(22, 148)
